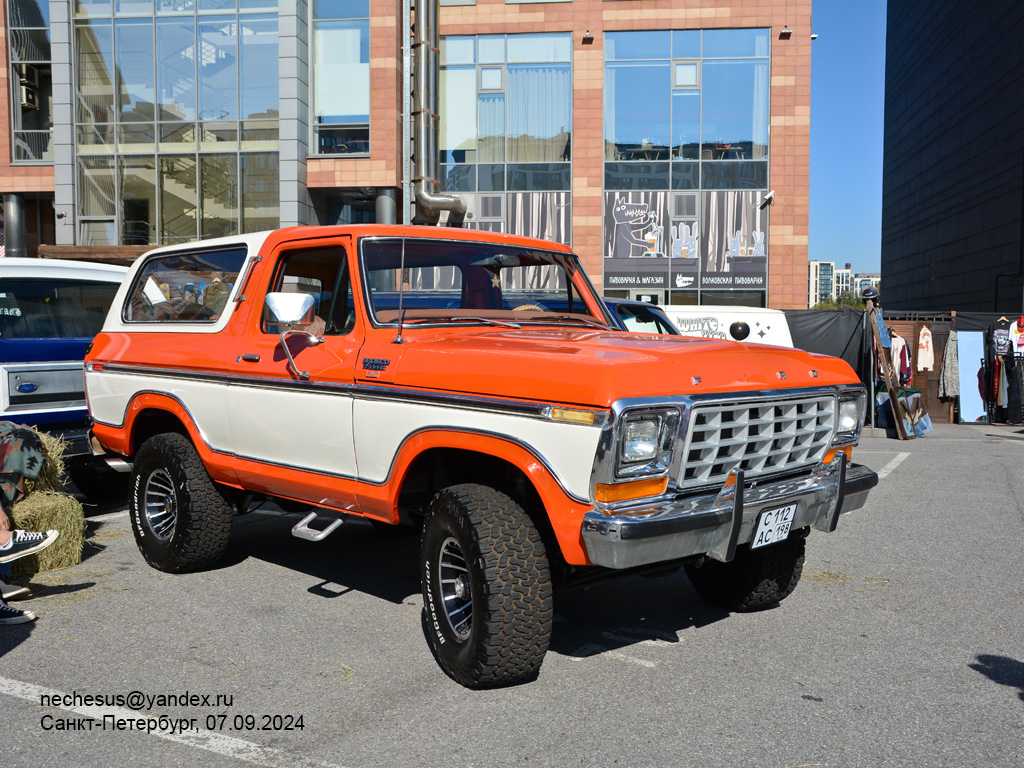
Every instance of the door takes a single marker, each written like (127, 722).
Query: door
(293, 425)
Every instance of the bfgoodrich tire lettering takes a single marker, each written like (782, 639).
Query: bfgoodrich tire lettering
(755, 579)
(181, 520)
(486, 587)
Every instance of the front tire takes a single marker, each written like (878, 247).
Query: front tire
(181, 520)
(756, 579)
(486, 587)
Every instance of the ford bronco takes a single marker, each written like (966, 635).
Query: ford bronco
(473, 385)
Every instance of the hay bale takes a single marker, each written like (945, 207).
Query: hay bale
(51, 476)
(41, 511)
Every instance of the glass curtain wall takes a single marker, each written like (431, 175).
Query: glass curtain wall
(686, 119)
(341, 77)
(176, 110)
(31, 82)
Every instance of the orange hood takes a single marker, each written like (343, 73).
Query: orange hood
(595, 368)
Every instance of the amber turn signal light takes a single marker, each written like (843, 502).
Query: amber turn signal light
(608, 493)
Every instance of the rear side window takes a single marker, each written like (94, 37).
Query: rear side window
(53, 309)
(184, 287)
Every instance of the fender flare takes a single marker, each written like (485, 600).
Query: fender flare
(564, 512)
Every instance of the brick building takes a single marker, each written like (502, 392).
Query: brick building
(645, 133)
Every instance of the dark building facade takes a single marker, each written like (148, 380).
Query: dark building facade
(954, 156)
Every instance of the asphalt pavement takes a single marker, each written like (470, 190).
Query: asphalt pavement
(903, 645)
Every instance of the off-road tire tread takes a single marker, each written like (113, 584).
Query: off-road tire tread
(203, 529)
(756, 579)
(517, 613)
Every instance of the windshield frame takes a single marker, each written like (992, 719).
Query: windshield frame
(597, 313)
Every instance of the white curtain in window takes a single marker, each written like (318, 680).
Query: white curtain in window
(539, 113)
(342, 81)
(760, 133)
(458, 112)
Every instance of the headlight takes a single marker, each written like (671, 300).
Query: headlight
(640, 439)
(851, 417)
(647, 437)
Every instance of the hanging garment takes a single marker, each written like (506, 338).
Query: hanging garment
(1017, 336)
(899, 345)
(1003, 400)
(949, 375)
(925, 355)
(1014, 411)
(1001, 340)
(883, 332)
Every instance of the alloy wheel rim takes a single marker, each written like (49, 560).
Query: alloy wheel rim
(161, 504)
(456, 590)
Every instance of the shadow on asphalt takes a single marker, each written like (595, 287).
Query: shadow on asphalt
(1002, 670)
(618, 614)
(356, 557)
(13, 635)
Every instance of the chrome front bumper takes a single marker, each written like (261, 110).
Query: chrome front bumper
(714, 525)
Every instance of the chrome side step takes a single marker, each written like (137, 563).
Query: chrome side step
(302, 530)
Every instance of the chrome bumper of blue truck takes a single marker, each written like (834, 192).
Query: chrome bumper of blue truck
(715, 524)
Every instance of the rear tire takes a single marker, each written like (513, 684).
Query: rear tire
(756, 579)
(181, 520)
(486, 587)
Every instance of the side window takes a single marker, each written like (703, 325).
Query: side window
(323, 274)
(184, 287)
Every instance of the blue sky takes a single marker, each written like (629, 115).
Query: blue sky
(847, 106)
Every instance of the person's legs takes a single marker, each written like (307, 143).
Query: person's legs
(9, 615)
(9, 590)
(23, 543)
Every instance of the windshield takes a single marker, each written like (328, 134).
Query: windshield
(644, 320)
(455, 281)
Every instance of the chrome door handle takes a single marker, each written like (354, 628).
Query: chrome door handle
(250, 358)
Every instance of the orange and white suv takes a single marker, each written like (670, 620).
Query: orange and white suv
(473, 385)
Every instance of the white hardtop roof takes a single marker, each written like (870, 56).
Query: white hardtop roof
(56, 269)
(252, 241)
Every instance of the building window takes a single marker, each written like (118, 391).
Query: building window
(173, 104)
(341, 77)
(505, 140)
(31, 81)
(686, 118)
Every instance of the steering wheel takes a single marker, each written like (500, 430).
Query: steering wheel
(529, 308)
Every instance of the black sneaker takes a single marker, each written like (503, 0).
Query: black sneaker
(10, 615)
(25, 543)
(12, 591)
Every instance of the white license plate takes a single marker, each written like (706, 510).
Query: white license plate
(774, 526)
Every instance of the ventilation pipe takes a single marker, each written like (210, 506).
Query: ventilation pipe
(14, 225)
(426, 65)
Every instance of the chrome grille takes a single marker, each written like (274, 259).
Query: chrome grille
(759, 437)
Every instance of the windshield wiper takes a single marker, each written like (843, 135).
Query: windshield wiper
(459, 318)
(542, 317)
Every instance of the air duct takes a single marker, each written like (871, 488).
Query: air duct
(426, 117)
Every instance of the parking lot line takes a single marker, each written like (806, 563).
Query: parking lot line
(888, 468)
(201, 738)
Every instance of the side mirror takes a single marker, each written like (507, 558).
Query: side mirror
(289, 308)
